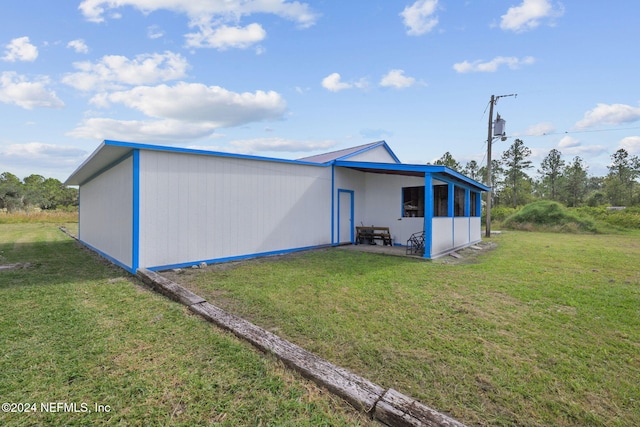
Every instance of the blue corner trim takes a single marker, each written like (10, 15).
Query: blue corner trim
(428, 215)
(135, 244)
(333, 203)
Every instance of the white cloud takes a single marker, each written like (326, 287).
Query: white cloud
(540, 129)
(609, 114)
(492, 66)
(78, 45)
(113, 71)
(16, 89)
(397, 79)
(631, 144)
(569, 145)
(528, 15)
(295, 11)
(185, 111)
(211, 17)
(20, 50)
(141, 130)
(36, 153)
(194, 102)
(419, 17)
(225, 37)
(333, 82)
(568, 142)
(154, 32)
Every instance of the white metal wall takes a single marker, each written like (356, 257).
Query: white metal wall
(106, 212)
(441, 235)
(384, 205)
(199, 207)
(460, 231)
(454, 233)
(475, 224)
(377, 155)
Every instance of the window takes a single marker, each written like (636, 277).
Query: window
(473, 205)
(441, 200)
(413, 199)
(458, 201)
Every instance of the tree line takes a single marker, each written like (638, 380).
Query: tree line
(559, 180)
(35, 191)
(564, 181)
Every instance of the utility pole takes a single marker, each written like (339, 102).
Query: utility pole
(490, 138)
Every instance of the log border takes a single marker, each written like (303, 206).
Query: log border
(387, 406)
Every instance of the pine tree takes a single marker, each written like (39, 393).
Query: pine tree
(515, 164)
(551, 171)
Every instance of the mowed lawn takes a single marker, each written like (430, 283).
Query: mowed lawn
(81, 339)
(542, 331)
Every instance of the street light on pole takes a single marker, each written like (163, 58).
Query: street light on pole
(495, 130)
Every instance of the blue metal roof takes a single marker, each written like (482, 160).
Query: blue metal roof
(349, 152)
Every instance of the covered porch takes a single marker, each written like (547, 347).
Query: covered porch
(440, 204)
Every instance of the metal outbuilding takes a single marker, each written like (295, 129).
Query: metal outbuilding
(162, 207)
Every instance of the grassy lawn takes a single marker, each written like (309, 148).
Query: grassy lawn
(76, 330)
(544, 330)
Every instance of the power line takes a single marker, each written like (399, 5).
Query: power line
(582, 131)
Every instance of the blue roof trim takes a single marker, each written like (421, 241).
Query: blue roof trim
(151, 147)
(401, 167)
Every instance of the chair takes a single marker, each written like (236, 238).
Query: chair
(415, 244)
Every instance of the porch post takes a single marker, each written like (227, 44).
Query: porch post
(451, 202)
(467, 202)
(428, 214)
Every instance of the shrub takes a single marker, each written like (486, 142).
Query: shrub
(549, 216)
(500, 213)
(624, 218)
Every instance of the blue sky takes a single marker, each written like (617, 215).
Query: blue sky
(291, 79)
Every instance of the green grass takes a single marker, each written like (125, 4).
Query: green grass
(52, 217)
(75, 329)
(541, 331)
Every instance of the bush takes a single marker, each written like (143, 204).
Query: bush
(624, 218)
(549, 216)
(500, 213)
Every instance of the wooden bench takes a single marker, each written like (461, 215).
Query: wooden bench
(370, 234)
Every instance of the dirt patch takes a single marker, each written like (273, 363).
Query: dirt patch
(16, 266)
(468, 255)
